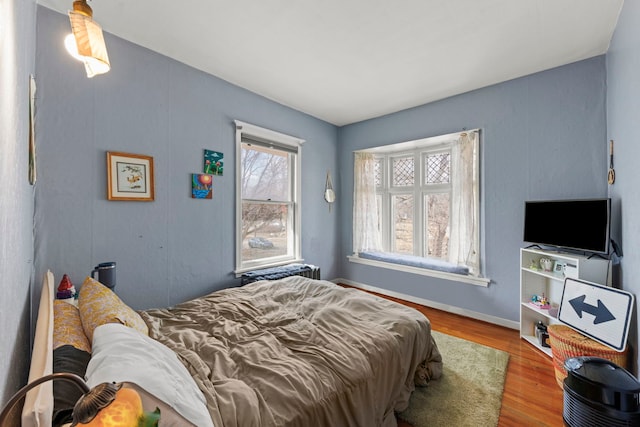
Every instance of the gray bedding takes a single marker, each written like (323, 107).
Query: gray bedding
(300, 352)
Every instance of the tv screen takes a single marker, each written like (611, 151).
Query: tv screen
(581, 225)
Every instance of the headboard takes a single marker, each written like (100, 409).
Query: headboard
(38, 404)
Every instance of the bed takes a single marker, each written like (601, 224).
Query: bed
(290, 352)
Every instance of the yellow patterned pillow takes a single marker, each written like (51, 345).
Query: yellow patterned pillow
(67, 327)
(99, 305)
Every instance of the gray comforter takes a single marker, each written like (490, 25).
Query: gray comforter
(300, 352)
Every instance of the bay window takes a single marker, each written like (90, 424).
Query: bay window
(420, 199)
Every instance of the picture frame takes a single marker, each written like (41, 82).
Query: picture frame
(129, 177)
(558, 267)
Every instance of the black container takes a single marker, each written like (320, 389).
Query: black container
(542, 334)
(598, 393)
(106, 273)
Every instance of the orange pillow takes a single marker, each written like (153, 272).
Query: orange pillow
(67, 327)
(99, 305)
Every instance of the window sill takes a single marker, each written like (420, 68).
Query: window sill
(472, 280)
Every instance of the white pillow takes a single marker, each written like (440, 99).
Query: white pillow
(120, 354)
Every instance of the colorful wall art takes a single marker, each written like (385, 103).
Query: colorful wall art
(201, 186)
(213, 162)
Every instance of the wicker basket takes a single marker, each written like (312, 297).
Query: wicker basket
(566, 343)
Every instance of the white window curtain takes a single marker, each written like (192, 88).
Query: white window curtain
(464, 245)
(366, 233)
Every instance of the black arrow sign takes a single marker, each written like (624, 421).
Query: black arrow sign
(601, 312)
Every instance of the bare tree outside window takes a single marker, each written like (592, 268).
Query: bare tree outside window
(268, 191)
(404, 170)
(437, 224)
(266, 198)
(403, 224)
(437, 205)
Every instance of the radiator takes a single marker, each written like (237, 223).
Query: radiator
(312, 273)
(275, 273)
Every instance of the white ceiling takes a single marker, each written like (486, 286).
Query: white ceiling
(344, 61)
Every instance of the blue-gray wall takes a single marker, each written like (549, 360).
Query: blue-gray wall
(17, 55)
(623, 110)
(543, 137)
(176, 247)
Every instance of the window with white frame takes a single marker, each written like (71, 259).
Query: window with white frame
(426, 199)
(268, 197)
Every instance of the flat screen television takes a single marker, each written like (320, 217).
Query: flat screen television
(580, 225)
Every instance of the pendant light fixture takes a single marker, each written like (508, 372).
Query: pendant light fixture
(86, 42)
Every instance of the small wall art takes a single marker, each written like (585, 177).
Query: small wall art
(213, 162)
(32, 130)
(201, 186)
(129, 177)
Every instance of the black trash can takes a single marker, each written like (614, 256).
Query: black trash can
(598, 393)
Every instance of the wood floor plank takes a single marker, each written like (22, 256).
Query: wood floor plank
(531, 395)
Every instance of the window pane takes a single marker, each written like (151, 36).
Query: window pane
(438, 168)
(265, 173)
(403, 223)
(436, 208)
(264, 230)
(403, 171)
(377, 172)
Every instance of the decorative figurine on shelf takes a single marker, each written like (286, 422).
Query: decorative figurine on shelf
(541, 301)
(66, 291)
(546, 264)
(534, 265)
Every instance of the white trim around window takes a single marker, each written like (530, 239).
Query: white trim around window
(281, 142)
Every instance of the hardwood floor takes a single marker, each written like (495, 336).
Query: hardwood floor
(531, 396)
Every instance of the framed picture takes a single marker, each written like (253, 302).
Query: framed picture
(558, 267)
(129, 177)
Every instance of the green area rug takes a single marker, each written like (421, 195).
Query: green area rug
(469, 393)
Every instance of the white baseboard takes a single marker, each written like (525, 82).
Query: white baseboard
(433, 304)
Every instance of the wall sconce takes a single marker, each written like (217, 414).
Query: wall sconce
(86, 43)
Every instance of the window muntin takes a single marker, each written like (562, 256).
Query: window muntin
(377, 170)
(268, 194)
(438, 168)
(402, 171)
